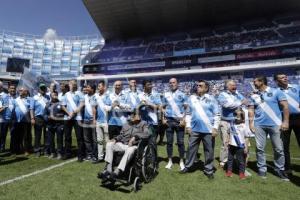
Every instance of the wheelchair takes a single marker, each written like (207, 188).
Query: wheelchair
(142, 168)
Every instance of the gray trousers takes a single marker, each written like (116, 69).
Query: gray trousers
(194, 141)
(102, 138)
(112, 147)
(225, 136)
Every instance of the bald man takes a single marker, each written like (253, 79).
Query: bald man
(119, 107)
(229, 100)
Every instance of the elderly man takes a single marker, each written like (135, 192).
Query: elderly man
(265, 118)
(229, 101)
(119, 107)
(126, 142)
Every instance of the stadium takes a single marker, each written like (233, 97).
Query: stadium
(152, 42)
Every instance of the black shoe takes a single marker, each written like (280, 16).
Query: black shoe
(38, 154)
(281, 174)
(210, 176)
(79, 159)
(184, 171)
(263, 175)
(66, 157)
(113, 177)
(103, 175)
(94, 160)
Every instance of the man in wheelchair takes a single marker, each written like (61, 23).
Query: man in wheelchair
(130, 135)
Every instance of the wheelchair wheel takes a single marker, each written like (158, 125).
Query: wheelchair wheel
(136, 184)
(149, 163)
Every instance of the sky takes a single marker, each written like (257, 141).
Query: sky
(65, 17)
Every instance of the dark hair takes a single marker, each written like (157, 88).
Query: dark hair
(262, 78)
(102, 82)
(55, 92)
(145, 82)
(93, 86)
(194, 89)
(67, 87)
(205, 82)
(276, 76)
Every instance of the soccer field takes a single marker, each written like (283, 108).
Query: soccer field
(73, 180)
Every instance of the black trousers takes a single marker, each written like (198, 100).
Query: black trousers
(22, 139)
(68, 126)
(286, 137)
(39, 130)
(55, 128)
(240, 156)
(90, 139)
(113, 131)
(4, 126)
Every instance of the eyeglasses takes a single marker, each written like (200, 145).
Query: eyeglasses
(200, 85)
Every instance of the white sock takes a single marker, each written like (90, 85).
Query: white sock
(169, 165)
(182, 166)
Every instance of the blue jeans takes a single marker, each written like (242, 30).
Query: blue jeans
(261, 133)
(173, 126)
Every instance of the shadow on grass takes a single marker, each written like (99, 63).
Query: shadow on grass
(17, 159)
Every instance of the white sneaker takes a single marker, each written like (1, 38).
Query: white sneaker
(169, 165)
(182, 166)
(247, 173)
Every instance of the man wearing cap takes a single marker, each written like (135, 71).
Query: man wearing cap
(37, 113)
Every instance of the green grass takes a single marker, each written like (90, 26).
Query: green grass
(78, 181)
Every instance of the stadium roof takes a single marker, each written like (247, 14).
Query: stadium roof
(137, 18)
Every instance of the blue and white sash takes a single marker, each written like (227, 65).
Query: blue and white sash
(199, 109)
(21, 105)
(71, 101)
(173, 105)
(88, 105)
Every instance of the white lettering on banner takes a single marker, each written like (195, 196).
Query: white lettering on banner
(136, 65)
(216, 58)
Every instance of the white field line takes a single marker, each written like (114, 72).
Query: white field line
(36, 172)
(70, 161)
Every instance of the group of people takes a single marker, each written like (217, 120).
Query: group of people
(103, 122)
